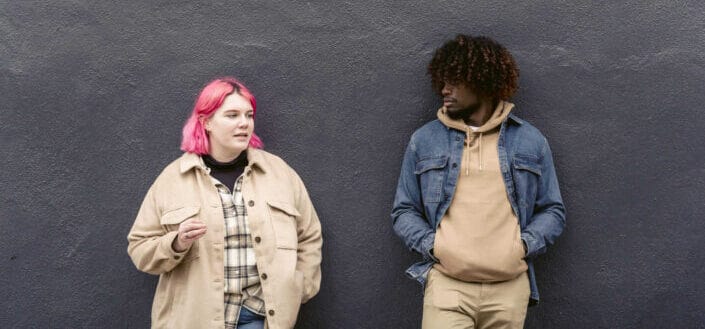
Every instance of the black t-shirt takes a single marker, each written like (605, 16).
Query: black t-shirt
(228, 172)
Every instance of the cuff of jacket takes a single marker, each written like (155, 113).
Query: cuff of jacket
(174, 257)
(531, 245)
(427, 245)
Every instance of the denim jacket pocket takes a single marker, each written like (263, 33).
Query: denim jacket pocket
(527, 162)
(527, 172)
(431, 172)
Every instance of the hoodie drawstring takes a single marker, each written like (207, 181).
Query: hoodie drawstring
(467, 152)
(482, 166)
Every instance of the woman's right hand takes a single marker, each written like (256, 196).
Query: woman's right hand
(189, 231)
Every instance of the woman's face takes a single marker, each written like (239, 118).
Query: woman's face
(230, 128)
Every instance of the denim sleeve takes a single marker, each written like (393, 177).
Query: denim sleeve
(408, 218)
(548, 220)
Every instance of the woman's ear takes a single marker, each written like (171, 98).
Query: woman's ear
(204, 122)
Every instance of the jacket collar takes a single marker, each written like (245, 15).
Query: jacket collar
(515, 118)
(190, 160)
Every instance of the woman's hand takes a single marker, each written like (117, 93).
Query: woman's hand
(189, 231)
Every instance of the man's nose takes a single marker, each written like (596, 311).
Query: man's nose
(447, 89)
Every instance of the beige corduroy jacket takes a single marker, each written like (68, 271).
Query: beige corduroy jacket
(285, 231)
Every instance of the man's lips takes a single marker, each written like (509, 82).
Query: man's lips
(448, 101)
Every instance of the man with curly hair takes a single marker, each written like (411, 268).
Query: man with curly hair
(478, 196)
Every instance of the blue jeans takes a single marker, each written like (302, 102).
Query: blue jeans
(249, 320)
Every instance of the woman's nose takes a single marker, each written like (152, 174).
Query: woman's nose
(243, 121)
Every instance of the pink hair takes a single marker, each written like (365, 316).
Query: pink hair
(209, 100)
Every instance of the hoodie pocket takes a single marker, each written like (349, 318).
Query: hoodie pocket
(431, 172)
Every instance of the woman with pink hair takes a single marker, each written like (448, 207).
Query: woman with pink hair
(228, 227)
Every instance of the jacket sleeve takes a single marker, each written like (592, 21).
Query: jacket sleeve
(548, 220)
(408, 218)
(149, 244)
(310, 241)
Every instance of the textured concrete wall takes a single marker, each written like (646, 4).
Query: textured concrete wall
(93, 95)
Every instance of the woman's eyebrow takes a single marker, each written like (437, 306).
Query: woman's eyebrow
(238, 110)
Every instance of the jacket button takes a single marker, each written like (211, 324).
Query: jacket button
(258, 239)
(177, 257)
(263, 276)
(251, 203)
(455, 165)
(271, 312)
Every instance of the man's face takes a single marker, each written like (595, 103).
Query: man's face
(459, 100)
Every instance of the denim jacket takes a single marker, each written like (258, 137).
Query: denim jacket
(429, 174)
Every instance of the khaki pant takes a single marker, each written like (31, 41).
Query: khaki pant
(450, 304)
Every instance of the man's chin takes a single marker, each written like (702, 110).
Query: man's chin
(450, 109)
(454, 113)
(457, 113)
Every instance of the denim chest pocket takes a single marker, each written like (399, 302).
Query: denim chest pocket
(527, 172)
(431, 172)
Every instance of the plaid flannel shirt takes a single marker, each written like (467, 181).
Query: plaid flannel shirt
(242, 283)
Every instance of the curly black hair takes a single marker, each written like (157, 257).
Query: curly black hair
(482, 63)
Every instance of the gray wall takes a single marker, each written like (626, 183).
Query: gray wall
(94, 93)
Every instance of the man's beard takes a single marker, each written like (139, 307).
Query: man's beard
(464, 113)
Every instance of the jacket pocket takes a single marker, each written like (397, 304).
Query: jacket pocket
(283, 216)
(171, 220)
(527, 172)
(527, 162)
(431, 172)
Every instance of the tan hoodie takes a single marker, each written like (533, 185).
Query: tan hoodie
(479, 239)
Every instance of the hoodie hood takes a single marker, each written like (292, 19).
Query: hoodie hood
(501, 112)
